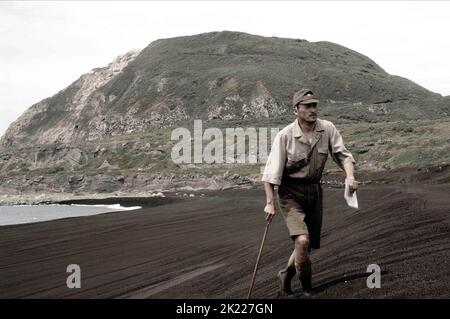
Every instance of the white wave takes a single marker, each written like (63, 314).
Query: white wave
(112, 206)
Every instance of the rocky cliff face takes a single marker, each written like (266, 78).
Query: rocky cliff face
(52, 120)
(218, 75)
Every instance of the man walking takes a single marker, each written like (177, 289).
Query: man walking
(295, 164)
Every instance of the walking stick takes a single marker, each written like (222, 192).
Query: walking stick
(257, 259)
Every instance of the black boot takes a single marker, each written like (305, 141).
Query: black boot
(305, 275)
(285, 276)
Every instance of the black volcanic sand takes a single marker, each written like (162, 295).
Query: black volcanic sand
(206, 247)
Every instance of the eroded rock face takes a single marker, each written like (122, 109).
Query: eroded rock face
(95, 79)
(258, 104)
(54, 156)
(38, 124)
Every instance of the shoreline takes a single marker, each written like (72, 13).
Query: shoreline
(30, 214)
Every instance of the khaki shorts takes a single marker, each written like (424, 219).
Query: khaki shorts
(301, 207)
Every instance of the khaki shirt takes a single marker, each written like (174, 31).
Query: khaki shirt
(290, 151)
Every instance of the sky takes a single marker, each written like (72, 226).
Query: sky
(45, 46)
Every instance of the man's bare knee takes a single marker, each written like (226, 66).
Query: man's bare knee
(302, 242)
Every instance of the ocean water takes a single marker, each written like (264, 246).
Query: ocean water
(24, 214)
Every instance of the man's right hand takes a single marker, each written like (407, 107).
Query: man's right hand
(270, 211)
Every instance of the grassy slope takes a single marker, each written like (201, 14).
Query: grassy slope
(374, 146)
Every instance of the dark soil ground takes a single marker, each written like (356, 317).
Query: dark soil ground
(206, 247)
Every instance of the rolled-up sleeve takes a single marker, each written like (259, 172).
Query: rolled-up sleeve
(273, 171)
(338, 151)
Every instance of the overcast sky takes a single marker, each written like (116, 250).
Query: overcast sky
(45, 46)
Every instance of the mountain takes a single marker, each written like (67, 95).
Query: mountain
(109, 132)
(220, 75)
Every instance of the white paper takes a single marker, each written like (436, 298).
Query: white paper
(351, 199)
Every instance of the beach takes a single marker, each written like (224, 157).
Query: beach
(206, 247)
